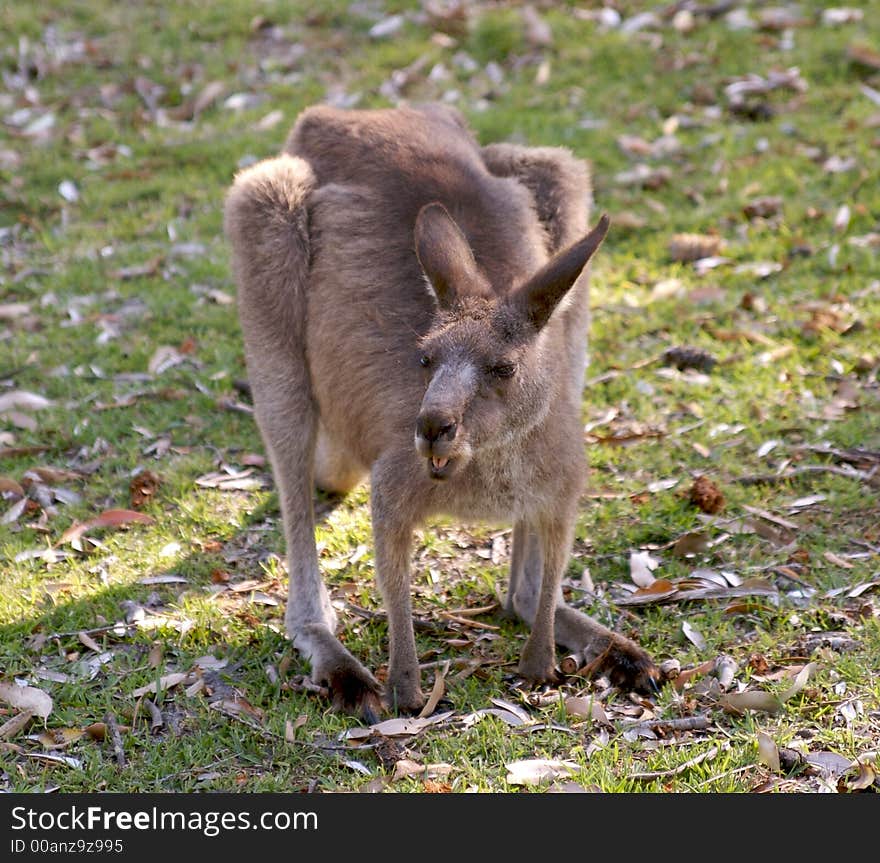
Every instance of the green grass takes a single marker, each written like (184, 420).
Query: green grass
(797, 363)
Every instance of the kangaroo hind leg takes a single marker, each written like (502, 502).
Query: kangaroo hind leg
(267, 224)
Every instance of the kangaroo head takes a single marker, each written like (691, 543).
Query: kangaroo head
(485, 360)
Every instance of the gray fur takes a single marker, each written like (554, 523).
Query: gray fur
(461, 397)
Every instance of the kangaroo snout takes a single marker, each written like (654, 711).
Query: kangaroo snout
(435, 435)
(434, 427)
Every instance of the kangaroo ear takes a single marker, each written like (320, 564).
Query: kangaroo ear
(445, 256)
(539, 296)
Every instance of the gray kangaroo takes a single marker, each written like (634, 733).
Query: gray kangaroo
(415, 309)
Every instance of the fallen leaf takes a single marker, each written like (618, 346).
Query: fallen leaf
(138, 271)
(400, 726)
(407, 767)
(799, 682)
(59, 738)
(739, 702)
(68, 190)
(164, 358)
(17, 723)
(207, 97)
(864, 55)
(27, 698)
(681, 768)
(66, 760)
(24, 400)
(168, 681)
(9, 486)
(829, 764)
(237, 706)
(89, 642)
(537, 30)
(692, 542)
(10, 311)
(768, 752)
(693, 247)
(641, 565)
(534, 771)
(386, 27)
(108, 518)
(693, 635)
(515, 709)
(866, 777)
(725, 668)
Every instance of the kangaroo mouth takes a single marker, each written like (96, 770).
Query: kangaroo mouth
(439, 468)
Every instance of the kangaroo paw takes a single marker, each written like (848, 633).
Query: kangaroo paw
(354, 690)
(626, 664)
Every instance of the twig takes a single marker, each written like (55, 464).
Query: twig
(464, 621)
(769, 516)
(115, 737)
(771, 478)
(99, 630)
(685, 723)
(418, 622)
(473, 612)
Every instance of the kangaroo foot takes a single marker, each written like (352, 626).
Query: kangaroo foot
(536, 665)
(354, 690)
(626, 665)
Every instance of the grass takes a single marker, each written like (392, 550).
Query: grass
(138, 262)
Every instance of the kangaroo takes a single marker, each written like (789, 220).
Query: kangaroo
(415, 309)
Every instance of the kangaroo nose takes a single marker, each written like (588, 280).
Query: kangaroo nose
(432, 426)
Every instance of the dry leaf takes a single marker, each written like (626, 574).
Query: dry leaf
(864, 55)
(739, 702)
(725, 668)
(9, 486)
(867, 776)
(799, 682)
(641, 565)
(27, 698)
(537, 30)
(534, 771)
(829, 764)
(693, 247)
(692, 542)
(20, 399)
(108, 518)
(89, 642)
(768, 752)
(692, 634)
(12, 726)
(59, 738)
(407, 767)
(209, 95)
(401, 726)
(164, 358)
(167, 682)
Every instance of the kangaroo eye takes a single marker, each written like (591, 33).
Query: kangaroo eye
(424, 361)
(503, 370)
